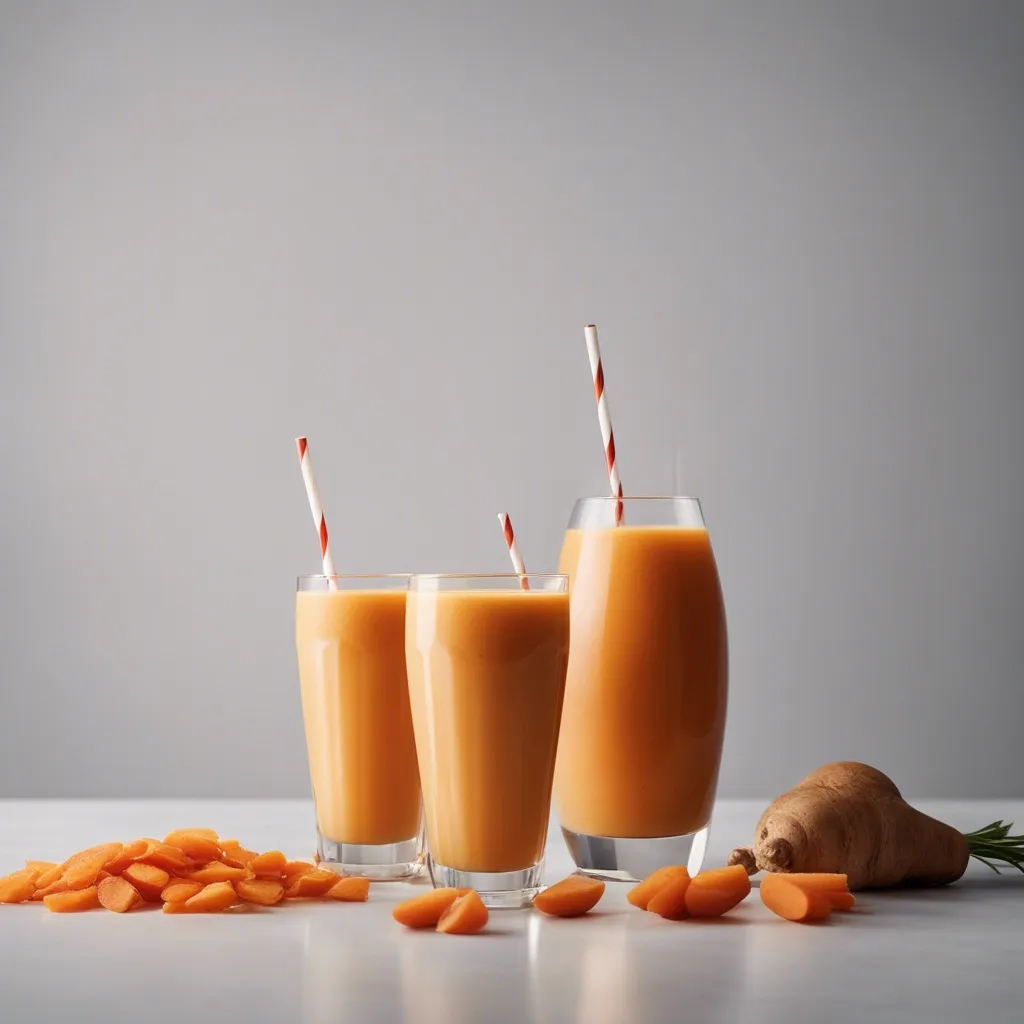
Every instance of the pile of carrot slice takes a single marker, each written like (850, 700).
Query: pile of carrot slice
(671, 893)
(190, 871)
(462, 912)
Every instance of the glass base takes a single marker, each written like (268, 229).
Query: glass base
(499, 890)
(632, 860)
(389, 862)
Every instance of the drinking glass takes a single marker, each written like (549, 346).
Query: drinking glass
(350, 641)
(645, 695)
(486, 658)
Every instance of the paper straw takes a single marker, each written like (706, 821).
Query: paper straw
(313, 494)
(513, 549)
(604, 418)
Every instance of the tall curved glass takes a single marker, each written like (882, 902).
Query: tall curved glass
(350, 641)
(486, 657)
(645, 695)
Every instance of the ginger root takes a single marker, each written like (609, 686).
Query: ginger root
(849, 818)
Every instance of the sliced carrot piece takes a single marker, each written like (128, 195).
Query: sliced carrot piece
(178, 890)
(426, 910)
(640, 895)
(149, 880)
(84, 873)
(831, 885)
(129, 853)
(40, 866)
(18, 886)
(713, 893)
(175, 907)
(235, 854)
(317, 882)
(116, 894)
(206, 833)
(160, 855)
(297, 867)
(819, 881)
(54, 887)
(350, 890)
(571, 897)
(669, 901)
(104, 852)
(48, 876)
(72, 901)
(269, 864)
(215, 871)
(466, 915)
(214, 897)
(199, 844)
(793, 903)
(262, 891)
(81, 869)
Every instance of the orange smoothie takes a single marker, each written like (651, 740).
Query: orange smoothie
(355, 706)
(645, 696)
(486, 681)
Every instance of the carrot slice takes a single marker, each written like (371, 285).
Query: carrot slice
(198, 843)
(235, 854)
(40, 866)
(160, 855)
(149, 880)
(261, 891)
(426, 910)
(104, 852)
(116, 894)
(214, 897)
(48, 876)
(179, 890)
(297, 867)
(791, 902)
(350, 890)
(72, 901)
(833, 886)
(81, 869)
(129, 853)
(571, 897)
(317, 882)
(54, 887)
(669, 901)
(640, 895)
(466, 915)
(84, 873)
(206, 833)
(269, 864)
(713, 893)
(215, 871)
(18, 886)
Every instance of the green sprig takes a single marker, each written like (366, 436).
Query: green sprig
(994, 843)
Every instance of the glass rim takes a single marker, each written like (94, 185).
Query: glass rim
(642, 497)
(488, 576)
(355, 576)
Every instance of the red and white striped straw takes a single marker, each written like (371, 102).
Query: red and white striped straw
(313, 494)
(604, 418)
(513, 549)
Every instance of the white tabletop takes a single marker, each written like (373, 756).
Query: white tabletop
(941, 955)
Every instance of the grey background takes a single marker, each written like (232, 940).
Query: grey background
(799, 227)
